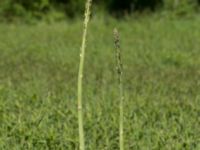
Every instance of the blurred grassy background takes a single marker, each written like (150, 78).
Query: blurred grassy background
(38, 81)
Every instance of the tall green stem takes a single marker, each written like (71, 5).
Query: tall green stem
(120, 82)
(80, 75)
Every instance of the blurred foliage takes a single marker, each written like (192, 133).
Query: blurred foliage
(72, 8)
(127, 6)
(38, 75)
(181, 6)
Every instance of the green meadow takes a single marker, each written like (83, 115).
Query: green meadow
(38, 84)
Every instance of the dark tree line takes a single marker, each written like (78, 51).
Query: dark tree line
(10, 8)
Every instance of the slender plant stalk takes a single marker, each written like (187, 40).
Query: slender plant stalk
(120, 82)
(80, 75)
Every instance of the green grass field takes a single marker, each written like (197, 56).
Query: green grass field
(38, 85)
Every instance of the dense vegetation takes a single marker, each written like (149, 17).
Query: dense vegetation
(38, 8)
(38, 81)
